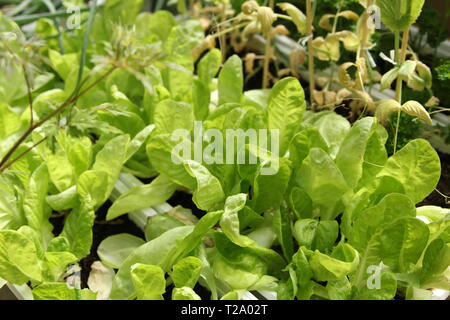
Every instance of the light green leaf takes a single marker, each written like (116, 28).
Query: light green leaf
(153, 253)
(329, 268)
(110, 160)
(184, 293)
(230, 220)
(269, 178)
(193, 240)
(18, 258)
(286, 109)
(300, 203)
(283, 228)
(209, 66)
(149, 281)
(186, 272)
(386, 291)
(35, 207)
(398, 15)
(333, 128)
(417, 167)
(93, 184)
(60, 170)
(435, 262)
(172, 115)
(115, 249)
(140, 139)
(64, 200)
(370, 221)
(9, 121)
(78, 229)
(321, 178)
(152, 27)
(201, 97)
(350, 157)
(231, 81)
(302, 143)
(56, 264)
(209, 190)
(340, 289)
(61, 291)
(239, 276)
(142, 197)
(161, 151)
(316, 235)
(160, 223)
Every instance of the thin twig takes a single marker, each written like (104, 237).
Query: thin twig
(398, 90)
(73, 98)
(267, 57)
(29, 93)
(309, 21)
(20, 156)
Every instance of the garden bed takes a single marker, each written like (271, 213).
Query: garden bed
(206, 155)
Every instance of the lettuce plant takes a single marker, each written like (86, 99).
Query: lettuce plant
(336, 218)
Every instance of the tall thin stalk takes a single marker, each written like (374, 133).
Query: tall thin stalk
(400, 58)
(222, 37)
(309, 31)
(266, 61)
(365, 30)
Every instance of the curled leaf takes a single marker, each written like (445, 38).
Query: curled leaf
(325, 21)
(388, 78)
(266, 18)
(298, 17)
(327, 49)
(350, 15)
(385, 108)
(349, 39)
(344, 77)
(415, 109)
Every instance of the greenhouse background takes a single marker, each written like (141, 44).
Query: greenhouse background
(224, 150)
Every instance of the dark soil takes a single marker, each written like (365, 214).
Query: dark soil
(184, 199)
(101, 230)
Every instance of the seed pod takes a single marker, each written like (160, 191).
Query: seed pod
(249, 29)
(207, 44)
(266, 18)
(330, 98)
(250, 62)
(280, 30)
(318, 97)
(248, 7)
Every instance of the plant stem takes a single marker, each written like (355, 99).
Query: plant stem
(267, 56)
(336, 17)
(309, 21)
(33, 17)
(222, 39)
(400, 56)
(225, 31)
(73, 98)
(84, 48)
(20, 156)
(365, 31)
(29, 93)
(52, 9)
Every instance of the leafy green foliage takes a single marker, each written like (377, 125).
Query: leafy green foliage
(310, 218)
